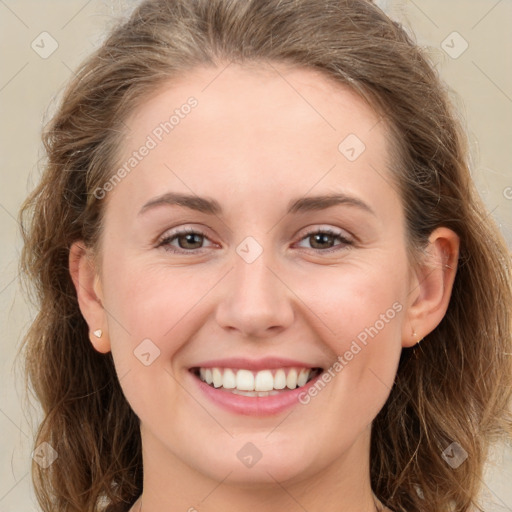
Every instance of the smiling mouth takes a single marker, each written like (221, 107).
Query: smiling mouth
(256, 384)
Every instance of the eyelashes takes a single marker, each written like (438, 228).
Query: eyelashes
(329, 234)
(190, 234)
(193, 237)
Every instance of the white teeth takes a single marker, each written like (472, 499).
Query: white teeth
(291, 379)
(217, 378)
(262, 383)
(254, 393)
(280, 379)
(303, 377)
(244, 380)
(229, 380)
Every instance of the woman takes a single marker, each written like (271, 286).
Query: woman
(265, 276)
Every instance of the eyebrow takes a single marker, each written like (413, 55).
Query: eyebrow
(200, 204)
(312, 203)
(212, 207)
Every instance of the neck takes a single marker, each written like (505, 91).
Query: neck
(170, 484)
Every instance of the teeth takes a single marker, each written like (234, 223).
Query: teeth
(280, 379)
(208, 378)
(303, 377)
(244, 380)
(255, 393)
(291, 379)
(229, 380)
(262, 383)
(217, 378)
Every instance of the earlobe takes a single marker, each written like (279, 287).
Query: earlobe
(432, 286)
(89, 294)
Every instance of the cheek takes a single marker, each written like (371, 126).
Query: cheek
(357, 302)
(154, 302)
(152, 313)
(362, 314)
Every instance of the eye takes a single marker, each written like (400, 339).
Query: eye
(186, 240)
(192, 240)
(324, 240)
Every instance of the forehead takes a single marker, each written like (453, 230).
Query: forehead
(259, 129)
(271, 95)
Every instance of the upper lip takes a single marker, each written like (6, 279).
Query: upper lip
(266, 363)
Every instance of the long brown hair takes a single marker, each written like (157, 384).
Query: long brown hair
(455, 387)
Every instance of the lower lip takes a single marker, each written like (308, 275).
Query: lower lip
(254, 405)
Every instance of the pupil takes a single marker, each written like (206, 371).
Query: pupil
(190, 239)
(322, 238)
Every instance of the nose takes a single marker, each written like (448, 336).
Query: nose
(255, 301)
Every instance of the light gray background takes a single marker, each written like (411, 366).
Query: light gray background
(481, 78)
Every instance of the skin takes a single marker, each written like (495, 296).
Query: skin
(259, 137)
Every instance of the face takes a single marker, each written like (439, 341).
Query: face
(257, 244)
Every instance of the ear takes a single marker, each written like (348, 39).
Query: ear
(431, 286)
(89, 293)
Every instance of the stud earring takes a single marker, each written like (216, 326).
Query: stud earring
(98, 333)
(415, 335)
